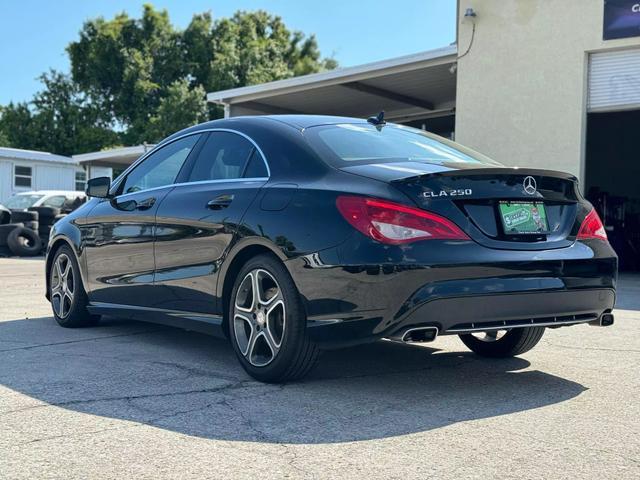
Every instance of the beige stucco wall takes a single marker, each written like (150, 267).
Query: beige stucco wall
(521, 93)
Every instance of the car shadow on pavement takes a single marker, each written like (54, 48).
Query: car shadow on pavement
(191, 383)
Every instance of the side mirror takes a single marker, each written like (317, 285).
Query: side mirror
(98, 187)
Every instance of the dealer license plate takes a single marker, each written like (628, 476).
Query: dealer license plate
(523, 218)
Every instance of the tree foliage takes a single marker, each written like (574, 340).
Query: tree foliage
(137, 80)
(60, 119)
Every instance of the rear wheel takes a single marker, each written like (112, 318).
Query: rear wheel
(267, 323)
(68, 297)
(503, 343)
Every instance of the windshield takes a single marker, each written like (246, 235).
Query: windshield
(349, 144)
(22, 201)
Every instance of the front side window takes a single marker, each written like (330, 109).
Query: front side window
(160, 168)
(224, 156)
(22, 177)
(349, 144)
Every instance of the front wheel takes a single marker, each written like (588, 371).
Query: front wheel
(267, 323)
(66, 293)
(503, 343)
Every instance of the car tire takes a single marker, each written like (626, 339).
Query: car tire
(514, 342)
(269, 335)
(5, 230)
(69, 304)
(24, 242)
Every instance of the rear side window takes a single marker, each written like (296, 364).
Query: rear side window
(224, 156)
(256, 167)
(161, 167)
(349, 144)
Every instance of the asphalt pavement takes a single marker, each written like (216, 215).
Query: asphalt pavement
(135, 400)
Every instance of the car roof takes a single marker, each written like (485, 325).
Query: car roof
(305, 121)
(299, 122)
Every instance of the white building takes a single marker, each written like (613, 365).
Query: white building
(25, 170)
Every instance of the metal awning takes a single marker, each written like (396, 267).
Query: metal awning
(411, 86)
(118, 158)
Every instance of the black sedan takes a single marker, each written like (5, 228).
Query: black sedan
(293, 234)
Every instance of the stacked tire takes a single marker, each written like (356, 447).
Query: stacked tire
(46, 217)
(27, 218)
(16, 239)
(24, 242)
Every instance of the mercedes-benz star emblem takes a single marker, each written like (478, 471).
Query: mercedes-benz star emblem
(529, 185)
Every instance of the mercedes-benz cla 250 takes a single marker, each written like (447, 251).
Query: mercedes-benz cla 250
(293, 234)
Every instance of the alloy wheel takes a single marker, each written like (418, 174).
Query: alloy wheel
(62, 285)
(259, 317)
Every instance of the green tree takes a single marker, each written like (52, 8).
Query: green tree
(256, 47)
(131, 66)
(137, 80)
(16, 125)
(181, 107)
(59, 119)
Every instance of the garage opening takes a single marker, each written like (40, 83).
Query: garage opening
(612, 180)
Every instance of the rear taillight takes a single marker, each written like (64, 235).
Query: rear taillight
(592, 227)
(393, 223)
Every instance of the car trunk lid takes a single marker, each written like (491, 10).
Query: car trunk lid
(482, 201)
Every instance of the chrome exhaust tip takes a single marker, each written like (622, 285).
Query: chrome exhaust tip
(605, 320)
(420, 335)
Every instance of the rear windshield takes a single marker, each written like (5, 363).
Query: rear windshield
(350, 144)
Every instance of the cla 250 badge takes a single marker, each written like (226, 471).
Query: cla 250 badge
(456, 192)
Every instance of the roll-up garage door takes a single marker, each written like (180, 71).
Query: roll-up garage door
(614, 80)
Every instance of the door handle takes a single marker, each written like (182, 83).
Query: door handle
(220, 202)
(145, 204)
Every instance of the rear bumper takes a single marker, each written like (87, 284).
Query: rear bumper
(546, 308)
(352, 304)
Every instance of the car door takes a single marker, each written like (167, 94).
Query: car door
(198, 219)
(119, 232)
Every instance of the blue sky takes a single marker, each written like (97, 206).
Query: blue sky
(34, 34)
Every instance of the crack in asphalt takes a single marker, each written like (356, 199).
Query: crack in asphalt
(247, 421)
(41, 345)
(155, 420)
(231, 386)
(292, 462)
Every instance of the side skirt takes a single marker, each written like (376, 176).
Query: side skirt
(197, 322)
